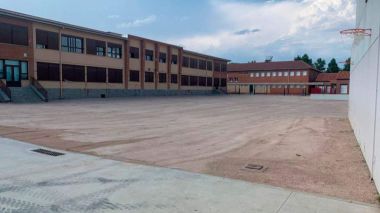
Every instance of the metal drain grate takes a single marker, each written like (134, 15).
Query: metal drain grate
(254, 167)
(48, 152)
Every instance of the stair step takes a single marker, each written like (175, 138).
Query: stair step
(24, 95)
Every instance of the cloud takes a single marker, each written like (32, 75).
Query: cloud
(246, 31)
(285, 28)
(138, 22)
(114, 16)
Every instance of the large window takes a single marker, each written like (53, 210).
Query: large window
(71, 44)
(114, 50)
(115, 76)
(73, 73)
(202, 64)
(223, 82)
(134, 52)
(223, 67)
(96, 74)
(149, 55)
(134, 75)
(12, 34)
(47, 40)
(1, 69)
(162, 58)
(48, 72)
(174, 78)
(184, 80)
(209, 81)
(216, 66)
(185, 61)
(174, 59)
(149, 77)
(202, 81)
(162, 77)
(209, 65)
(193, 80)
(216, 82)
(95, 47)
(194, 63)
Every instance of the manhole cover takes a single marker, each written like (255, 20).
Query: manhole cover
(254, 167)
(47, 152)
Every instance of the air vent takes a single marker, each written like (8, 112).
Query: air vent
(48, 152)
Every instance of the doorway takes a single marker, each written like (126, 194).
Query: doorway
(250, 89)
(12, 75)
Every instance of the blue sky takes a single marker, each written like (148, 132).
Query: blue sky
(239, 30)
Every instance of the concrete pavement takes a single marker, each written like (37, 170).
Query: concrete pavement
(34, 182)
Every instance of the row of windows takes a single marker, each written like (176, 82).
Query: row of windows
(13, 34)
(278, 74)
(51, 72)
(134, 75)
(198, 63)
(202, 81)
(50, 40)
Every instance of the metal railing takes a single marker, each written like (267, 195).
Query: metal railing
(39, 87)
(5, 89)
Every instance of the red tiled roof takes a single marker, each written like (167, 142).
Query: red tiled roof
(265, 66)
(328, 77)
(343, 75)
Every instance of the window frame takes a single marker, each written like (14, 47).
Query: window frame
(71, 45)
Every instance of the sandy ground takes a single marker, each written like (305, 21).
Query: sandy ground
(302, 144)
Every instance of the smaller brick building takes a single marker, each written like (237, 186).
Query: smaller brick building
(333, 83)
(283, 77)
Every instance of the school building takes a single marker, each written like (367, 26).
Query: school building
(42, 59)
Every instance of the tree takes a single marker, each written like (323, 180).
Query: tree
(320, 64)
(347, 65)
(333, 66)
(304, 58)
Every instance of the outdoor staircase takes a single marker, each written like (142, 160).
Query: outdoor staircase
(25, 95)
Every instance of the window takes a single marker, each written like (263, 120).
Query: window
(268, 74)
(114, 50)
(216, 66)
(209, 81)
(202, 81)
(216, 82)
(95, 47)
(12, 34)
(304, 73)
(185, 61)
(298, 73)
(134, 75)
(96, 74)
(202, 64)
(257, 75)
(223, 67)
(47, 40)
(134, 52)
(291, 73)
(24, 70)
(184, 80)
(71, 44)
(174, 78)
(263, 74)
(73, 73)
(280, 74)
(193, 63)
(209, 65)
(223, 82)
(1, 69)
(48, 72)
(174, 59)
(149, 77)
(251, 75)
(162, 77)
(286, 73)
(149, 55)
(193, 80)
(115, 76)
(344, 89)
(162, 58)
(274, 74)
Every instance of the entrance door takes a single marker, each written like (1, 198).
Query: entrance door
(12, 74)
(250, 89)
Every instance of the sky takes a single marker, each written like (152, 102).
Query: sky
(239, 30)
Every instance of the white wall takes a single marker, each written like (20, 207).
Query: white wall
(364, 101)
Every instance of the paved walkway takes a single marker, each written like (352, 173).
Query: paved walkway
(33, 182)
